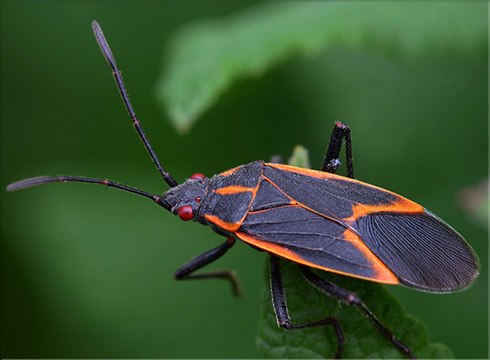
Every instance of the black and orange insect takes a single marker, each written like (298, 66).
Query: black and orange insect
(314, 218)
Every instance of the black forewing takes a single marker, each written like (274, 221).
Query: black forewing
(421, 250)
(333, 197)
(310, 237)
(269, 196)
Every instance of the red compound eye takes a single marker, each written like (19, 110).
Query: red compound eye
(185, 212)
(197, 176)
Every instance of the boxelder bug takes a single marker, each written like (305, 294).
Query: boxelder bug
(314, 218)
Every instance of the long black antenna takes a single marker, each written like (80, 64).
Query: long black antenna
(106, 51)
(22, 184)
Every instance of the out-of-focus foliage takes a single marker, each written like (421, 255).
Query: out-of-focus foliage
(300, 157)
(206, 58)
(474, 200)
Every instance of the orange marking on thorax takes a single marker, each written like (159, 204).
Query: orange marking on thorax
(233, 189)
(231, 171)
(232, 227)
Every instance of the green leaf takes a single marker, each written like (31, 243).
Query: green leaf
(205, 58)
(300, 157)
(363, 340)
(474, 200)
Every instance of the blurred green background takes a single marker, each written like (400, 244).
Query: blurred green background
(88, 272)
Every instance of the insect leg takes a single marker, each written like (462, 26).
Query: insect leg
(281, 308)
(351, 299)
(183, 273)
(331, 161)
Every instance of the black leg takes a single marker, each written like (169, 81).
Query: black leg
(331, 162)
(351, 299)
(183, 273)
(282, 313)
